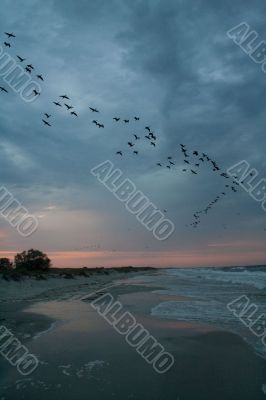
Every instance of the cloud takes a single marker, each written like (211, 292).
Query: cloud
(171, 63)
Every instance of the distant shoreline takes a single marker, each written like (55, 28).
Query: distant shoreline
(67, 273)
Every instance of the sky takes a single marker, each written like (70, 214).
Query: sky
(169, 62)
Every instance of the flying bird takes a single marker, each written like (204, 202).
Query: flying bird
(30, 66)
(136, 118)
(130, 144)
(147, 128)
(9, 35)
(7, 44)
(93, 109)
(137, 137)
(126, 121)
(3, 89)
(153, 144)
(116, 119)
(36, 93)
(40, 77)
(159, 164)
(21, 59)
(28, 70)
(45, 122)
(47, 115)
(64, 96)
(74, 113)
(95, 122)
(100, 125)
(135, 152)
(57, 104)
(68, 107)
(119, 152)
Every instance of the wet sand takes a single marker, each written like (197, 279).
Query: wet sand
(82, 356)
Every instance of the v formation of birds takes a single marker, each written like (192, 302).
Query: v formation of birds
(193, 160)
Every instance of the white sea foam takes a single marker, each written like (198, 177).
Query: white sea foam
(249, 277)
(206, 293)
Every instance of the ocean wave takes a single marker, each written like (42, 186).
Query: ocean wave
(239, 275)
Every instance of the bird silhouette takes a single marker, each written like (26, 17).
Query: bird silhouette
(194, 172)
(47, 115)
(74, 113)
(159, 164)
(40, 77)
(21, 59)
(137, 137)
(116, 119)
(95, 122)
(168, 166)
(119, 152)
(169, 158)
(153, 144)
(10, 35)
(100, 125)
(126, 121)
(136, 118)
(64, 96)
(28, 70)
(135, 152)
(147, 128)
(7, 44)
(3, 89)
(68, 106)
(130, 144)
(57, 104)
(195, 153)
(147, 137)
(36, 93)
(93, 109)
(170, 162)
(45, 122)
(30, 66)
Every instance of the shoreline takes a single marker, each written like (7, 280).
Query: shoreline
(78, 350)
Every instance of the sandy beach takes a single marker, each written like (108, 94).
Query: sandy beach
(80, 355)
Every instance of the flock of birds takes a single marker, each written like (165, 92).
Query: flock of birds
(29, 68)
(192, 160)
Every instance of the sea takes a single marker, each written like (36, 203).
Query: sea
(205, 294)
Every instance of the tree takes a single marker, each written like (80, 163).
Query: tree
(5, 264)
(32, 260)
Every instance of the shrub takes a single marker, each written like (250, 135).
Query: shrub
(5, 264)
(32, 260)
